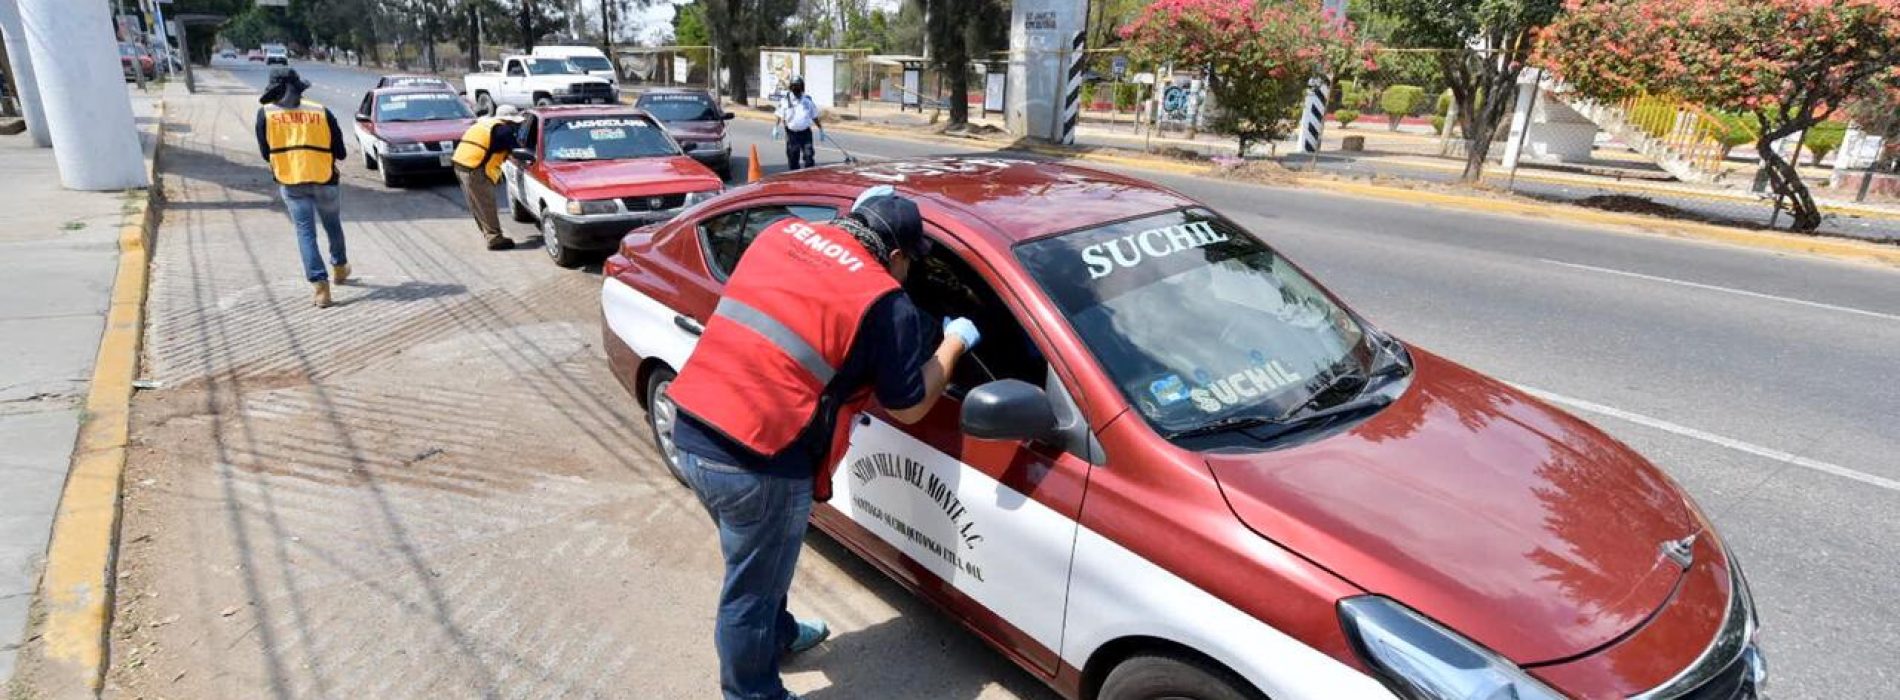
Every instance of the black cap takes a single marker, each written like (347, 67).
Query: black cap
(282, 79)
(897, 223)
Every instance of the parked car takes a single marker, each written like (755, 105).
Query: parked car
(587, 175)
(695, 120)
(404, 132)
(527, 81)
(587, 59)
(405, 80)
(134, 61)
(276, 56)
(255, 55)
(1177, 466)
(228, 54)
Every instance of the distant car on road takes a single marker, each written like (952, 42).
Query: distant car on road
(405, 80)
(695, 120)
(227, 53)
(404, 132)
(1178, 467)
(255, 55)
(277, 56)
(134, 61)
(588, 59)
(587, 175)
(529, 81)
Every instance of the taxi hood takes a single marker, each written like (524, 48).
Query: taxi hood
(1507, 520)
(633, 177)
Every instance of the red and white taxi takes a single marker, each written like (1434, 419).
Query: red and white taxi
(589, 175)
(404, 132)
(1176, 466)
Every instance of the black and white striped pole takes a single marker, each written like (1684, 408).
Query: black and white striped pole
(1072, 97)
(1313, 117)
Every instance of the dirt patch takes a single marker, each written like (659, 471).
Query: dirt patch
(1264, 172)
(1630, 204)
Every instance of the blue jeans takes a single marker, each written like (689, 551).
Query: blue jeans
(761, 521)
(307, 203)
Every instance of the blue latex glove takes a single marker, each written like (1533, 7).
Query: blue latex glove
(963, 329)
(777, 131)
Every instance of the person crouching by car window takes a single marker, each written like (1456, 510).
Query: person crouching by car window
(478, 158)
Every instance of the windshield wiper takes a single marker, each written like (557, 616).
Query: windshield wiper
(1337, 380)
(1302, 421)
(1223, 425)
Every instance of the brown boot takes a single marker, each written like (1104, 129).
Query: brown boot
(323, 293)
(340, 273)
(501, 243)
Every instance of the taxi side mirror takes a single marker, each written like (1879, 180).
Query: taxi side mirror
(1008, 409)
(522, 154)
(728, 116)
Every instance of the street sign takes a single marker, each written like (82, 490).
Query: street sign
(1119, 66)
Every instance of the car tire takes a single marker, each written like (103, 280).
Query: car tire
(369, 160)
(551, 242)
(484, 105)
(543, 100)
(1173, 675)
(662, 415)
(390, 180)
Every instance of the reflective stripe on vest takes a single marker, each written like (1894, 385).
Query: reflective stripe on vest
(790, 315)
(299, 141)
(472, 151)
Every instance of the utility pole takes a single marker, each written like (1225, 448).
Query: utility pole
(82, 92)
(1313, 117)
(607, 29)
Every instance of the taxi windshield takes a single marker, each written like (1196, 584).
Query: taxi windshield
(421, 107)
(550, 66)
(607, 138)
(1194, 319)
(679, 107)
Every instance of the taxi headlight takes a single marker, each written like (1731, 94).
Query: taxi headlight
(693, 198)
(592, 206)
(1422, 660)
(394, 147)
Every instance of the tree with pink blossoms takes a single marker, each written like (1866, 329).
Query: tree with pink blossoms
(1258, 55)
(1790, 63)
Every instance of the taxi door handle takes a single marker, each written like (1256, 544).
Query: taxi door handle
(689, 325)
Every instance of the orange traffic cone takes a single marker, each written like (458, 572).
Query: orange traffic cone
(752, 171)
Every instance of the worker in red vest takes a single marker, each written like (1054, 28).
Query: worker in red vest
(813, 326)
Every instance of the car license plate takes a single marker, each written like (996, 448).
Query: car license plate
(444, 159)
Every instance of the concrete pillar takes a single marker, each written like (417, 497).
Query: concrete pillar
(22, 62)
(82, 91)
(1527, 87)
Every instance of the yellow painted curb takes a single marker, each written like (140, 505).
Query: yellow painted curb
(77, 588)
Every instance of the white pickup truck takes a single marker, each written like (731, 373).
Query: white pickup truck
(531, 81)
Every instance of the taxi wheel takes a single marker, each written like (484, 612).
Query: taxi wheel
(369, 161)
(550, 242)
(519, 211)
(1172, 676)
(662, 415)
(389, 179)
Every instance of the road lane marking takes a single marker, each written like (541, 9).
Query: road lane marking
(1712, 438)
(1711, 287)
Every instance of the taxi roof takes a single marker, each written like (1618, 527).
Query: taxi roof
(589, 111)
(412, 90)
(1018, 199)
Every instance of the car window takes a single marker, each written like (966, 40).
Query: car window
(1194, 319)
(725, 237)
(607, 138)
(588, 63)
(421, 106)
(362, 110)
(514, 68)
(679, 107)
(550, 66)
(944, 286)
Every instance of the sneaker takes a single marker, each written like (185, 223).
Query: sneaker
(810, 633)
(323, 301)
(340, 273)
(501, 243)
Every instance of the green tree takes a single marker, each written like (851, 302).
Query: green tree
(1346, 117)
(689, 26)
(738, 28)
(1481, 47)
(1790, 64)
(961, 30)
(1399, 102)
(1824, 138)
(1258, 55)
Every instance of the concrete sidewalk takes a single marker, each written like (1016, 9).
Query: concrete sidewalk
(58, 254)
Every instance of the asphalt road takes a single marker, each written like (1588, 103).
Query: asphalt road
(1759, 381)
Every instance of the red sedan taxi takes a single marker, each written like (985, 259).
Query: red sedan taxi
(1177, 466)
(406, 132)
(588, 175)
